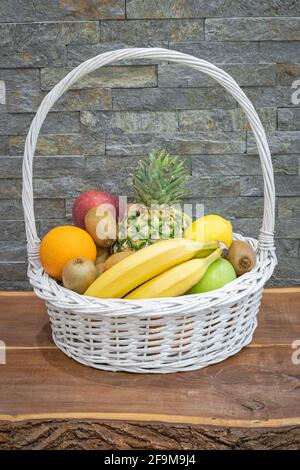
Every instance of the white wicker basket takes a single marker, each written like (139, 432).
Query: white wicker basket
(157, 335)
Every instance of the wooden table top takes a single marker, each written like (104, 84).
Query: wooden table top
(258, 388)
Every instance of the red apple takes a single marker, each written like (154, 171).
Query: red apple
(90, 199)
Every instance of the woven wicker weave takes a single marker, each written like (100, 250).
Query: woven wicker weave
(157, 335)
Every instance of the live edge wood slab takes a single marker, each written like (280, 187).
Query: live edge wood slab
(250, 401)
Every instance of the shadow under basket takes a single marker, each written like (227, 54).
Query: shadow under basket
(156, 335)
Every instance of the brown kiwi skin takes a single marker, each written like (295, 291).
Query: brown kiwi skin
(78, 274)
(242, 257)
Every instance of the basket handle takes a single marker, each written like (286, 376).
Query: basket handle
(266, 236)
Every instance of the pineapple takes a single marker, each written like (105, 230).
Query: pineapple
(158, 185)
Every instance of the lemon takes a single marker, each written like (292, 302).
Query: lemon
(210, 228)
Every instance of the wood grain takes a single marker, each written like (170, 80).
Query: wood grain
(278, 319)
(257, 385)
(24, 321)
(47, 400)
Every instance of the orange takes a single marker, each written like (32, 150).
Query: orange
(63, 244)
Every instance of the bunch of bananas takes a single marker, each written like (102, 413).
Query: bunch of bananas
(166, 269)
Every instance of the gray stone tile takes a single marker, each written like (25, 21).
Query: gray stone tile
(73, 100)
(16, 124)
(171, 98)
(247, 226)
(289, 207)
(26, 34)
(63, 187)
(252, 29)
(80, 53)
(12, 271)
(202, 8)
(287, 73)
(12, 251)
(287, 227)
(281, 52)
(183, 143)
(275, 282)
(235, 52)
(36, 55)
(224, 120)
(269, 96)
(213, 186)
(174, 75)
(229, 206)
(70, 187)
(281, 142)
(12, 230)
(47, 11)
(11, 209)
(148, 121)
(88, 142)
(287, 247)
(145, 31)
(10, 188)
(285, 185)
(289, 119)
(15, 285)
(243, 164)
(287, 268)
(43, 167)
(105, 77)
(4, 147)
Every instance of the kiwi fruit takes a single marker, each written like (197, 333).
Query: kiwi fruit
(78, 274)
(242, 257)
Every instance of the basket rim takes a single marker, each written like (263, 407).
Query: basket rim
(64, 299)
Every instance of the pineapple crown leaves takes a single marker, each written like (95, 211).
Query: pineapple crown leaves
(159, 179)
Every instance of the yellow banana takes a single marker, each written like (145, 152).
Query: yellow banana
(177, 280)
(143, 265)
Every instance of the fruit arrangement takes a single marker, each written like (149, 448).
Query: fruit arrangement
(150, 248)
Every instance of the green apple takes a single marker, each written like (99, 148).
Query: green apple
(218, 274)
